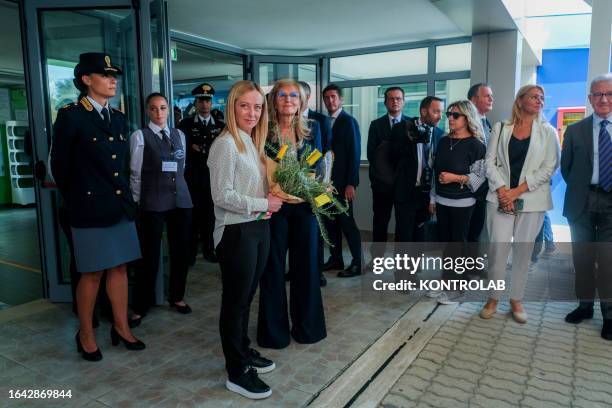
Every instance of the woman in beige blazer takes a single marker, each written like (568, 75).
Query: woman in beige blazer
(522, 156)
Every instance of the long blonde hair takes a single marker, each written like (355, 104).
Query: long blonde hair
(517, 111)
(260, 130)
(299, 123)
(471, 117)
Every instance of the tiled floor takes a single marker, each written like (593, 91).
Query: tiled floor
(183, 364)
(20, 278)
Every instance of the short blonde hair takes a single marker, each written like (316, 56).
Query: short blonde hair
(300, 124)
(517, 111)
(260, 130)
(471, 117)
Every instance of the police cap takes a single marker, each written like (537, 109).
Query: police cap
(95, 63)
(203, 91)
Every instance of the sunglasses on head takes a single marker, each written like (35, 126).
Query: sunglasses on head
(454, 115)
(291, 94)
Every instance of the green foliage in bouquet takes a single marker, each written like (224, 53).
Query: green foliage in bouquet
(297, 177)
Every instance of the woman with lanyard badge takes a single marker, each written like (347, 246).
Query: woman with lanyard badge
(89, 163)
(157, 166)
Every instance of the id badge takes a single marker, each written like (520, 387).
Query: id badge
(169, 166)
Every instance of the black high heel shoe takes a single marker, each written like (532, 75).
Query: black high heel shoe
(93, 356)
(116, 338)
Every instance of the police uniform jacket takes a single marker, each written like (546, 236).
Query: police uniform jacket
(198, 133)
(90, 165)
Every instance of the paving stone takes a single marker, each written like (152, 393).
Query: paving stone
(411, 381)
(547, 395)
(439, 401)
(501, 383)
(483, 401)
(531, 402)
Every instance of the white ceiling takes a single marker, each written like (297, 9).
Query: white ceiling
(297, 27)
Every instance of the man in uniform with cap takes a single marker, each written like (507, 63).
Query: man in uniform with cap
(201, 130)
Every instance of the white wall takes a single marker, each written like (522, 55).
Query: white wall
(496, 59)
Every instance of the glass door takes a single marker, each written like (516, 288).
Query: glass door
(55, 36)
(268, 69)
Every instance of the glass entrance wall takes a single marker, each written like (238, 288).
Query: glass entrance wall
(193, 64)
(56, 33)
(367, 103)
(440, 68)
(20, 269)
(108, 31)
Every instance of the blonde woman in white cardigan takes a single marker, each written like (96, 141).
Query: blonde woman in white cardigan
(522, 156)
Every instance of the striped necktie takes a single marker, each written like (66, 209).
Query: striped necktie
(605, 157)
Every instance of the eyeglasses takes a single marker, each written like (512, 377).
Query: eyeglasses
(454, 115)
(293, 94)
(599, 95)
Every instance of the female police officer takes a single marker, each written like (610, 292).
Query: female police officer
(89, 162)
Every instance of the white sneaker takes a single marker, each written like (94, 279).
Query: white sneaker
(249, 385)
(451, 298)
(434, 294)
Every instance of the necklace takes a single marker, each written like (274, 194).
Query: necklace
(454, 144)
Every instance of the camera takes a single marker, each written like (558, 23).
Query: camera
(419, 132)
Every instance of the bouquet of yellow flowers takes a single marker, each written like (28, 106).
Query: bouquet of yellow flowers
(295, 180)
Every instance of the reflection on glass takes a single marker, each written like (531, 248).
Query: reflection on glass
(194, 65)
(379, 65)
(367, 103)
(454, 57)
(109, 31)
(271, 72)
(451, 91)
(63, 40)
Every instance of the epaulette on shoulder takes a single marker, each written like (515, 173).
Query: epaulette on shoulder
(115, 110)
(70, 105)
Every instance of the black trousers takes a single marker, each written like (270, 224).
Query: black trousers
(592, 252)
(293, 228)
(477, 220)
(382, 205)
(203, 224)
(344, 223)
(178, 223)
(453, 225)
(407, 222)
(243, 253)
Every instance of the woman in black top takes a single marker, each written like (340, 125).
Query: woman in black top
(89, 165)
(459, 171)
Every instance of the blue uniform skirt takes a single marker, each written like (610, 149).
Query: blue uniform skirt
(96, 249)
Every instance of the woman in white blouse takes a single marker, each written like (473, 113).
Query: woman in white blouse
(522, 156)
(242, 234)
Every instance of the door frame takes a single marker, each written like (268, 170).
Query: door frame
(36, 86)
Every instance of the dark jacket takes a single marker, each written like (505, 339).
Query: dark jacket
(381, 171)
(346, 145)
(325, 128)
(577, 166)
(90, 165)
(405, 159)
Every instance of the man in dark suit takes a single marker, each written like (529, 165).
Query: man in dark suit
(482, 97)
(586, 166)
(346, 145)
(201, 131)
(323, 121)
(411, 189)
(382, 174)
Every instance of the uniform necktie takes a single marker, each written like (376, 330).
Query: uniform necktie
(165, 138)
(394, 122)
(605, 157)
(106, 116)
